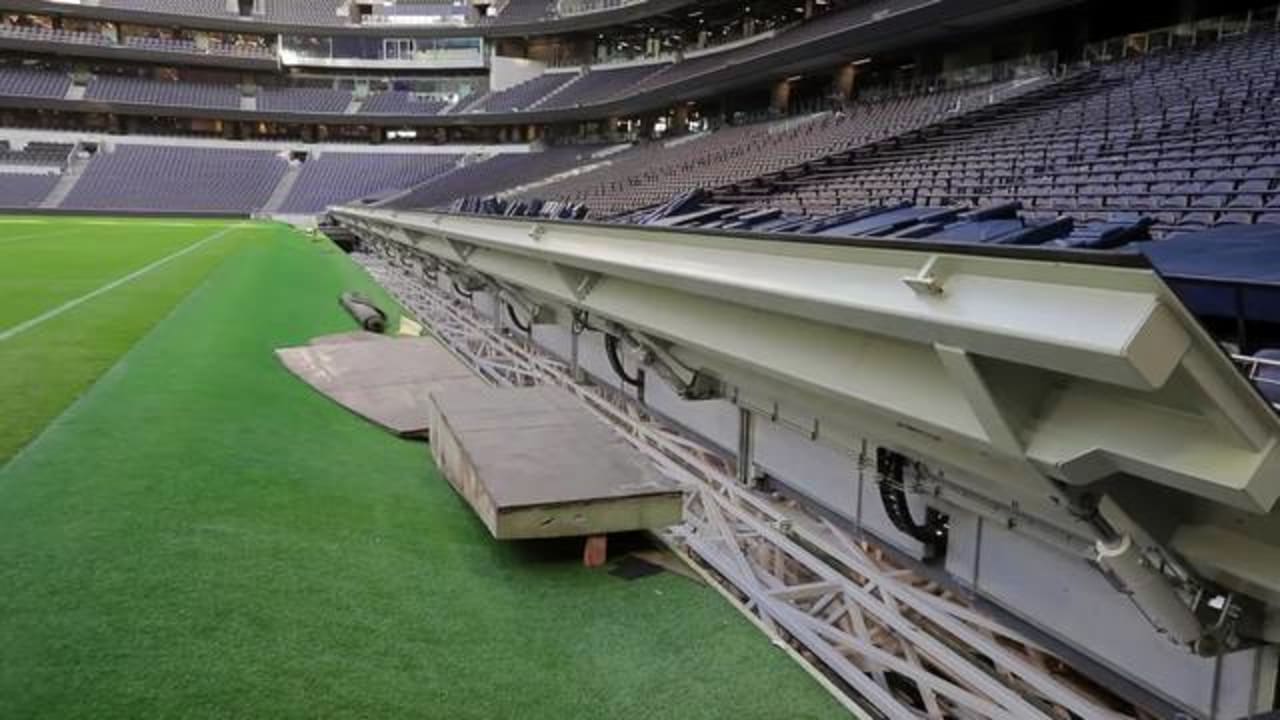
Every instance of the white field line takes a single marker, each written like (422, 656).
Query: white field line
(24, 326)
(28, 236)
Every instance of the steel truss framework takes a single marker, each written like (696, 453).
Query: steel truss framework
(885, 641)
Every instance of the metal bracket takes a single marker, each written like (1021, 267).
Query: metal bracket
(692, 384)
(463, 249)
(579, 282)
(531, 309)
(926, 282)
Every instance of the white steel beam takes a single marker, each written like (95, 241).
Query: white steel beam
(1102, 368)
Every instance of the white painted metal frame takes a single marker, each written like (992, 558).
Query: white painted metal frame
(1018, 382)
(1253, 367)
(1025, 373)
(887, 642)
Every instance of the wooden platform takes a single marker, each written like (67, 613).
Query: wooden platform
(385, 380)
(533, 463)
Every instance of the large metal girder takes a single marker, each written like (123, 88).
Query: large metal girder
(1029, 369)
(833, 602)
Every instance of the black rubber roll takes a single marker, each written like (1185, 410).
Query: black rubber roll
(366, 313)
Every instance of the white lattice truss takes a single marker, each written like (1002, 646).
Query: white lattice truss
(886, 642)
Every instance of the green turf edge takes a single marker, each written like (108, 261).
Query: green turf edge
(201, 535)
(47, 367)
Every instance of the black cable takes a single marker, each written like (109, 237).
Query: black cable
(611, 350)
(458, 289)
(515, 320)
(580, 319)
(932, 533)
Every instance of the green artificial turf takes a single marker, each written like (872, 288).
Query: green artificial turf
(201, 535)
(46, 263)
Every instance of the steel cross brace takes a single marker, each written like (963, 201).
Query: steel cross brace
(896, 645)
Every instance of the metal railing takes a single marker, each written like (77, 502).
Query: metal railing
(1255, 367)
(585, 7)
(1006, 73)
(1183, 35)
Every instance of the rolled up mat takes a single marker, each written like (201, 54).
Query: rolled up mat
(368, 315)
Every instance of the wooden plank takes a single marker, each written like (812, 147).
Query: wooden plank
(385, 380)
(533, 463)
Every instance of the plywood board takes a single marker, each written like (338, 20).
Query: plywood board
(346, 337)
(385, 380)
(533, 463)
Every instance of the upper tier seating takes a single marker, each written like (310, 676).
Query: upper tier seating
(334, 177)
(1189, 138)
(524, 11)
(294, 12)
(206, 8)
(52, 35)
(305, 12)
(600, 85)
(146, 91)
(26, 82)
(303, 100)
(158, 44)
(146, 177)
(400, 102)
(522, 96)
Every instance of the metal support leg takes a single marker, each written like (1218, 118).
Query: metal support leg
(746, 448)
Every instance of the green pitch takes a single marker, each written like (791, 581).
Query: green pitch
(186, 530)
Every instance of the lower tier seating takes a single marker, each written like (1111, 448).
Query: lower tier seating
(143, 177)
(336, 177)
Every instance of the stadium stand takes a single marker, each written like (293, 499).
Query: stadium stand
(400, 102)
(41, 34)
(51, 154)
(29, 82)
(523, 96)
(305, 12)
(24, 190)
(1186, 137)
(1001, 132)
(171, 93)
(525, 11)
(478, 178)
(653, 173)
(340, 177)
(600, 85)
(197, 8)
(303, 99)
(179, 45)
(171, 178)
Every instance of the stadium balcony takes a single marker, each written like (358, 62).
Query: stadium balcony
(512, 18)
(133, 48)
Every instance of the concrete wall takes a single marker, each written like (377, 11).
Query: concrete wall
(505, 72)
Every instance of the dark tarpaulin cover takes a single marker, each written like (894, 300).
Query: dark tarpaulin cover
(1223, 271)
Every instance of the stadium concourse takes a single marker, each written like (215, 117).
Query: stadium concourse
(800, 359)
